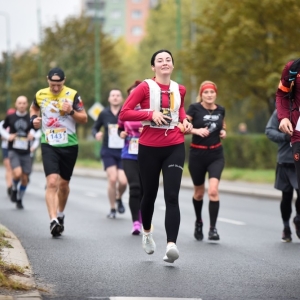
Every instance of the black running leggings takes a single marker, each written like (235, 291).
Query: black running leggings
(286, 205)
(132, 173)
(169, 160)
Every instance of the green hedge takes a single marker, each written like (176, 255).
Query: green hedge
(253, 151)
(89, 149)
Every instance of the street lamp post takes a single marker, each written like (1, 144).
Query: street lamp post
(97, 52)
(8, 61)
(40, 65)
(178, 39)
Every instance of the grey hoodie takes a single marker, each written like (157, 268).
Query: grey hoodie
(284, 154)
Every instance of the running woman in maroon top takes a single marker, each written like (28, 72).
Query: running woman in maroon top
(161, 146)
(206, 154)
(288, 117)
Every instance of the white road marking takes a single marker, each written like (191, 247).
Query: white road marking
(231, 221)
(151, 298)
(162, 208)
(94, 195)
(143, 298)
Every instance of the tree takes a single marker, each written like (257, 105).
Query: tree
(161, 33)
(244, 48)
(71, 46)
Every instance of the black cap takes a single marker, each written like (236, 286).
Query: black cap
(56, 72)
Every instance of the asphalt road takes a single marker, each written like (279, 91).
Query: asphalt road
(98, 257)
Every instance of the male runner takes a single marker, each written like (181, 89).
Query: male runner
(57, 109)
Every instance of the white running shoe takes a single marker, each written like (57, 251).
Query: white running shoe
(148, 243)
(172, 253)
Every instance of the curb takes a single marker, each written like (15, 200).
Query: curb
(18, 256)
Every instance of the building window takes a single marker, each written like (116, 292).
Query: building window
(136, 30)
(136, 14)
(93, 5)
(116, 31)
(116, 14)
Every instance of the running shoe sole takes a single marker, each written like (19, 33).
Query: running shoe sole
(171, 255)
(286, 241)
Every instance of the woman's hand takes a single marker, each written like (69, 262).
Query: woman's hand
(203, 132)
(159, 118)
(187, 126)
(223, 134)
(123, 134)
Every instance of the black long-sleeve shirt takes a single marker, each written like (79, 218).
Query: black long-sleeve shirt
(105, 118)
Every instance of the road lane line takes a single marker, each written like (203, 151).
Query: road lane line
(142, 298)
(231, 221)
(94, 195)
(151, 298)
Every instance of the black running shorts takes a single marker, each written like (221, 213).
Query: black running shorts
(202, 162)
(286, 178)
(59, 160)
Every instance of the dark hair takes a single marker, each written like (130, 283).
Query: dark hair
(136, 83)
(160, 51)
(56, 72)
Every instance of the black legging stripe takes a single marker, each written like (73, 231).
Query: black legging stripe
(169, 160)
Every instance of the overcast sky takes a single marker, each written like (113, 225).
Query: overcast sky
(23, 20)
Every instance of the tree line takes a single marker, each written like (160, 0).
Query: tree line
(241, 45)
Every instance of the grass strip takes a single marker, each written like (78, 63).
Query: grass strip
(7, 269)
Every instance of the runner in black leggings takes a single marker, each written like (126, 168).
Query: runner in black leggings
(170, 161)
(161, 146)
(131, 131)
(206, 155)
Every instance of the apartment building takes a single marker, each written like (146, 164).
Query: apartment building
(125, 18)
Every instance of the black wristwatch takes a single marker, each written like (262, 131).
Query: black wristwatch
(72, 112)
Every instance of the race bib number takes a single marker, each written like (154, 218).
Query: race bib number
(20, 143)
(114, 141)
(133, 146)
(56, 136)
